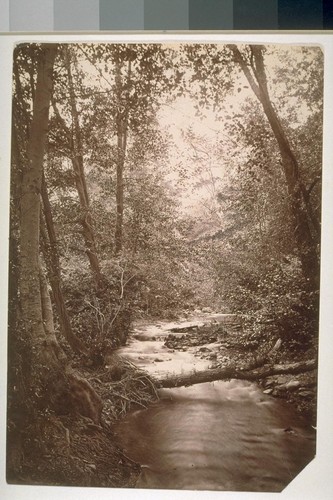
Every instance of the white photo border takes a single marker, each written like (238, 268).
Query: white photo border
(316, 480)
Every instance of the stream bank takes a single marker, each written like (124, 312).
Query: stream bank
(221, 341)
(229, 435)
(65, 448)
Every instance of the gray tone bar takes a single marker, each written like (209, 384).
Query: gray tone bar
(211, 14)
(4, 17)
(256, 14)
(32, 15)
(122, 15)
(76, 15)
(166, 14)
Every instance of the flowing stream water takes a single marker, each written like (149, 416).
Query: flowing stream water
(224, 435)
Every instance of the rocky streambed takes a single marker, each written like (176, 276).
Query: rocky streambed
(222, 342)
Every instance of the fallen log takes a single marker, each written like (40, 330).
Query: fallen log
(231, 371)
(292, 368)
(186, 329)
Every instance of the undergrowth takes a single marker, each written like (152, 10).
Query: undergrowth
(70, 450)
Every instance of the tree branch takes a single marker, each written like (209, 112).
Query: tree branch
(312, 185)
(240, 60)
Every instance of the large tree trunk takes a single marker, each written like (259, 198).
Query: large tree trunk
(30, 213)
(49, 246)
(15, 188)
(66, 390)
(28, 335)
(305, 240)
(230, 372)
(43, 378)
(49, 372)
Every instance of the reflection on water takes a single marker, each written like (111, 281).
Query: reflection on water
(224, 435)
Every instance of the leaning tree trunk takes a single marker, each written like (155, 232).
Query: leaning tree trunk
(76, 142)
(49, 245)
(305, 241)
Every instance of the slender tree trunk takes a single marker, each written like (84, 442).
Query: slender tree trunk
(306, 244)
(80, 180)
(49, 246)
(119, 191)
(122, 130)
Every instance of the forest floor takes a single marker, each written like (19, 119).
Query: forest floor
(70, 450)
(67, 449)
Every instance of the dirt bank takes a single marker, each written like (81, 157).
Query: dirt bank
(65, 449)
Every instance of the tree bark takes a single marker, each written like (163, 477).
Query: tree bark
(230, 372)
(15, 194)
(49, 246)
(306, 243)
(122, 130)
(50, 374)
(66, 390)
(30, 207)
(76, 142)
(118, 236)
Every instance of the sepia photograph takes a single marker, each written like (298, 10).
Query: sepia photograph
(164, 264)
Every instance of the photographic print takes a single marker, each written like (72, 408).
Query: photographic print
(165, 227)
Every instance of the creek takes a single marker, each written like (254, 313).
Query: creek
(224, 435)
